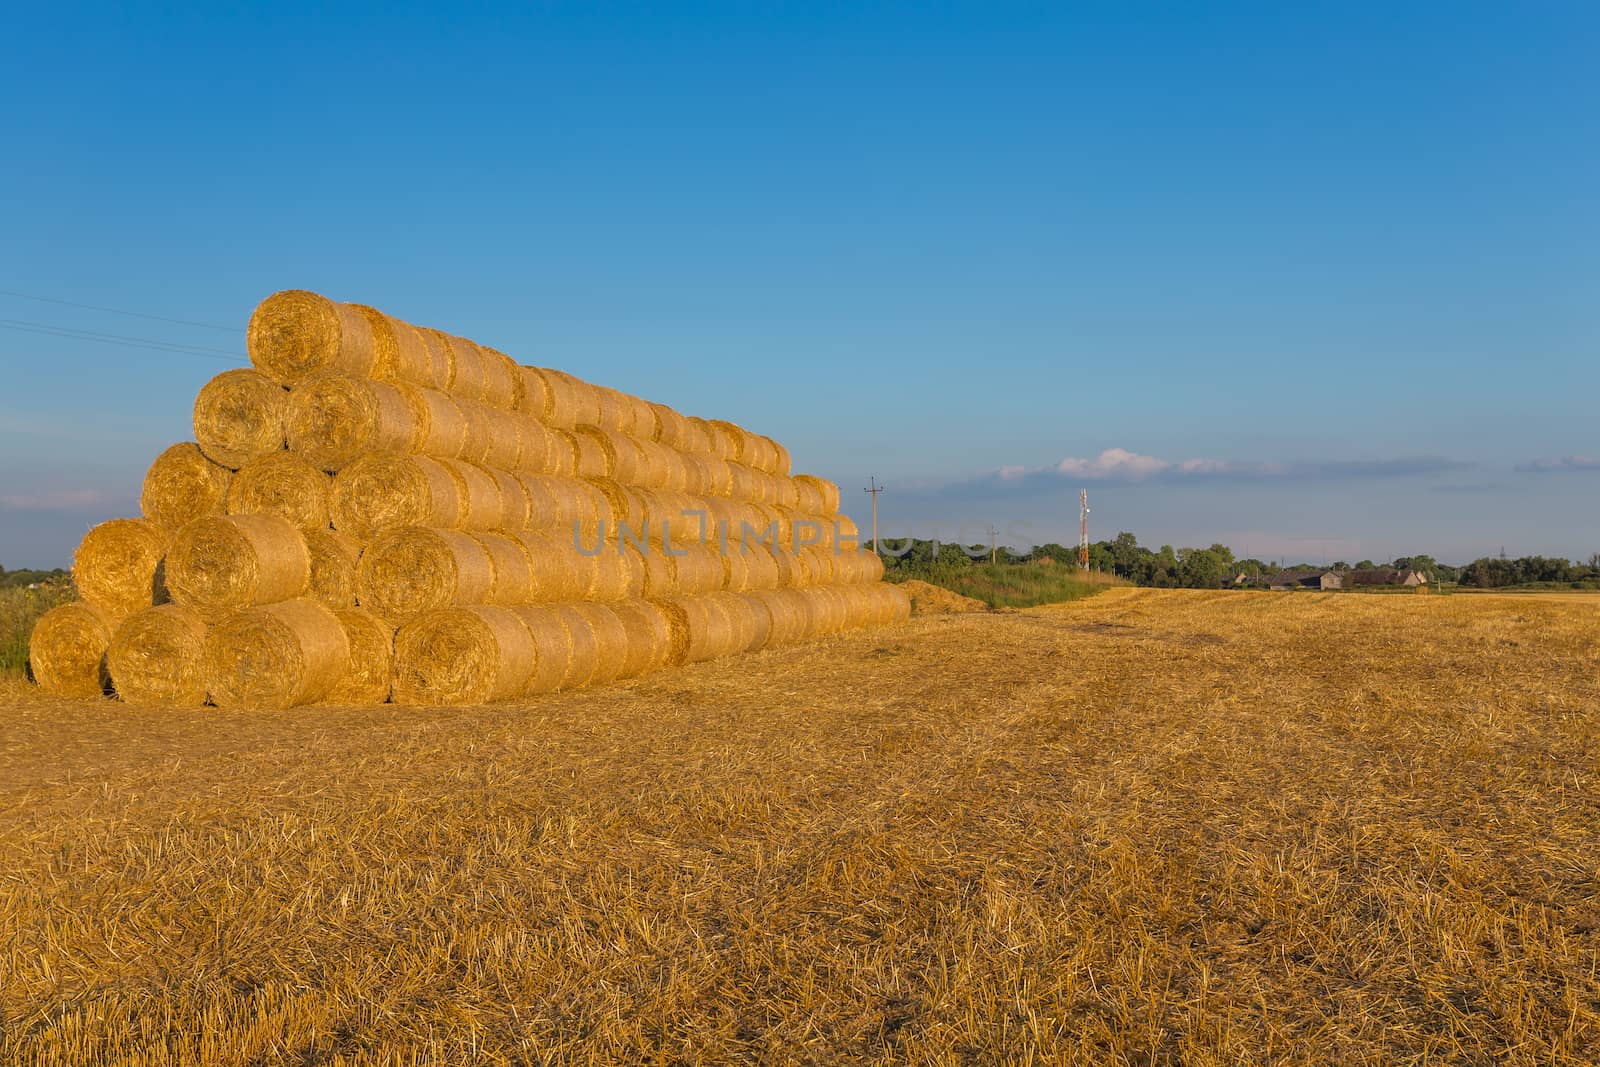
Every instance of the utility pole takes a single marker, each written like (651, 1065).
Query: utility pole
(1083, 530)
(992, 549)
(874, 489)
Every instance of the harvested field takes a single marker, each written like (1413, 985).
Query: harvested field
(1148, 827)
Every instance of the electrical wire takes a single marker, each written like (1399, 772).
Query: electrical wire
(117, 311)
(115, 339)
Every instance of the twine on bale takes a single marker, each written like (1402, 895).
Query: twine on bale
(333, 420)
(223, 563)
(366, 679)
(240, 414)
(384, 491)
(333, 558)
(118, 566)
(294, 334)
(282, 483)
(468, 655)
(278, 656)
(183, 484)
(416, 569)
(155, 657)
(67, 651)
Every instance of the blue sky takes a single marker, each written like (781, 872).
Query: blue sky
(1306, 279)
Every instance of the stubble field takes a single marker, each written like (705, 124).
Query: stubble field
(1150, 827)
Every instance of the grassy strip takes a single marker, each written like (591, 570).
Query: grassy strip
(20, 608)
(1009, 585)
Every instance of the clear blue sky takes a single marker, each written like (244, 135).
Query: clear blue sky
(1320, 278)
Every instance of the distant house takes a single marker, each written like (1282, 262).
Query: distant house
(1379, 576)
(1306, 580)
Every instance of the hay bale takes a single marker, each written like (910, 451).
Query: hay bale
(277, 656)
(781, 463)
(707, 629)
(614, 413)
(727, 438)
(224, 563)
(385, 491)
(511, 569)
(240, 414)
(441, 426)
(717, 473)
(418, 569)
(556, 571)
(552, 649)
(789, 620)
(282, 483)
(671, 428)
(467, 655)
(736, 577)
(540, 451)
(183, 484)
(482, 507)
(757, 632)
(155, 657)
(790, 568)
(660, 573)
(492, 437)
(785, 493)
(334, 558)
(619, 456)
(67, 651)
(514, 501)
(332, 420)
(626, 507)
(611, 641)
(696, 475)
(502, 380)
(370, 667)
(700, 570)
(591, 458)
(118, 566)
(557, 503)
(397, 349)
(576, 401)
(615, 573)
(535, 399)
(649, 636)
(583, 644)
(294, 334)
(823, 498)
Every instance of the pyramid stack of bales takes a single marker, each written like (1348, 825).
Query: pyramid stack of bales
(381, 511)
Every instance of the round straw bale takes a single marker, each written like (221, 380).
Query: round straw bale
(239, 414)
(673, 518)
(677, 627)
(658, 467)
(649, 636)
(593, 460)
(552, 649)
(383, 491)
(627, 506)
(332, 420)
(696, 475)
(155, 657)
(821, 564)
(513, 500)
(556, 570)
(501, 381)
(614, 413)
(482, 507)
(616, 572)
(511, 567)
(581, 399)
(277, 656)
(561, 409)
(294, 334)
(785, 493)
(469, 375)
(556, 503)
(585, 648)
(808, 498)
(660, 573)
(727, 439)
(67, 651)
(718, 473)
(540, 451)
(183, 484)
(760, 632)
(535, 399)
(366, 677)
(788, 620)
(758, 452)
(698, 435)
(622, 457)
(741, 620)
(611, 641)
(333, 557)
(672, 429)
(699, 570)
(736, 576)
(567, 452)
(762, 568)
(826, 501)
(118, 566)
(441, 427)
(222, 563)
(282, 483)
(899, 602)
(790, 571)
(810, 617)
(398, 352)
(707, 630)
(506, 437)
(417, 568)
(780, 460)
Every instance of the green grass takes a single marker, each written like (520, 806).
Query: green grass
(20, 608)
(1010, 585)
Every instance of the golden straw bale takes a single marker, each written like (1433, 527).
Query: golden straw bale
(593, 461)
(276, 656)
(540, 451)
(698, 435)
(611, 641)
(649, 636)
(656, 467)
(788, 620)
(502, 383)
(614, 413)
(535, 399)
(677, 618)
(709, 630)
(506, 436)
(645, 425)
(239, 414)
(222, 563)
(785, 493)
(580, 399)
(282, 483)
(727, 439)
(696, 475)
(118, 566)
(556, 570)
(334, 557)
(441, 426)
(566, 451)
(67, 651)
(469, 379)
(481, 505)
(699, 570)
(556, 503)
(366, 677)
(672, 429)
(780, 460)
(718, 473)
(155, 657)
(763, 569)
(442, 356)
(622, 458)
(736, 577)
(899, 604)
(626, 504)
(672, 518)
(470, 655)
(808, 498)
(332, 420)
(416, 569)
(561, 410)
(294, 334)
(584, 647)
(810, 620)
(384, 491)
(512, 571)
(660, 573)
(552, 649)
(514, 500)
(821, 560)
(790, 571)
(398, 352)
(759, 632)
(614, 573)
(183, 484)
(826, 500)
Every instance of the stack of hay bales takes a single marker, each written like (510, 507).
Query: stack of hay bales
(382, 511)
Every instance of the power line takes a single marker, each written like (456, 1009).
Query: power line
(115, 339)
(117, 311)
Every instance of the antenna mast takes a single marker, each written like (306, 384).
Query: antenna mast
(1083, 529)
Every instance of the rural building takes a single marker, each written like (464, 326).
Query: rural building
(1385, 576)
(1306, 580)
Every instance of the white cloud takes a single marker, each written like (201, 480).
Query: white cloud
(1012, 473)
(58, 500)
(1565, 463)
(1113, 463)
